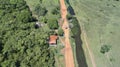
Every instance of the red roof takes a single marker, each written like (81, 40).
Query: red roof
(53, 39)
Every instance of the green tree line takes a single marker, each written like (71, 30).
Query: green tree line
(21, 45)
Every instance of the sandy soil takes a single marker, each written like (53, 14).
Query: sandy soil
(69, 61)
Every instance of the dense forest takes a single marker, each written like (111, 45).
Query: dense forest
(21, 45)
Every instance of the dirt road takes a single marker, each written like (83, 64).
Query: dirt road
(69, 61)
(89, 50)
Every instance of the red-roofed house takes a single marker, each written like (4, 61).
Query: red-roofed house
(53, 40)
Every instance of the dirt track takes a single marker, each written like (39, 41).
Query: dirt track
(69, 61)
(89, 50)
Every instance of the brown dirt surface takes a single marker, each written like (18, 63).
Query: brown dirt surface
(69, 61)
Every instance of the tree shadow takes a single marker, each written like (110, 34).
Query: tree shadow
(79, 50)
(76, 30)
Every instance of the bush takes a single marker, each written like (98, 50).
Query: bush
(45, 20)
(75, 27)
(56, 11)
(105, 48)
(40, 11)
(41, 1)
(53, 24)
(60, 32)
(69, 16)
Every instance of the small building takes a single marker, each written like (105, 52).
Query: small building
(53, 40)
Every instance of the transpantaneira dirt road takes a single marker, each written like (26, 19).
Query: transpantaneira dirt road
(69, 61)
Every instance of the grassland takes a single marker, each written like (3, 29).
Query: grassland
(100, 19)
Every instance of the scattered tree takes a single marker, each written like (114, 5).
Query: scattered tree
(45, 20)
(69, 16)
(53, 24)
(41, 1)
(56, 10)
(105, 48)
(60, 32)
(40, 11)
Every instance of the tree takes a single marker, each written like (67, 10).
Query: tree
(53, 24)
(1, 44)
(75, 26)
(41, 1)
(45, 20)
(56, 10)
(20, 45)
(40, 11)
(69, 16)
(24, 16)
(60, 32)
(105, 48)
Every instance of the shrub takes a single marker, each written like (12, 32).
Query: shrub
(40, 11)
(53, 24)
(45, 20)
(56, 10)
(60, 32)
(69, 16)
(105, 48)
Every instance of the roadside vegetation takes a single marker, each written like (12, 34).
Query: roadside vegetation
(60, 32)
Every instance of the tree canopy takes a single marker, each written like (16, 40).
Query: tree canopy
(56, 10)
(20, 44)
(105, 48)
(53, 24)
(40, 11)
(60, 32)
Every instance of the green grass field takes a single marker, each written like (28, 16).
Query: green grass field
(100, 19)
